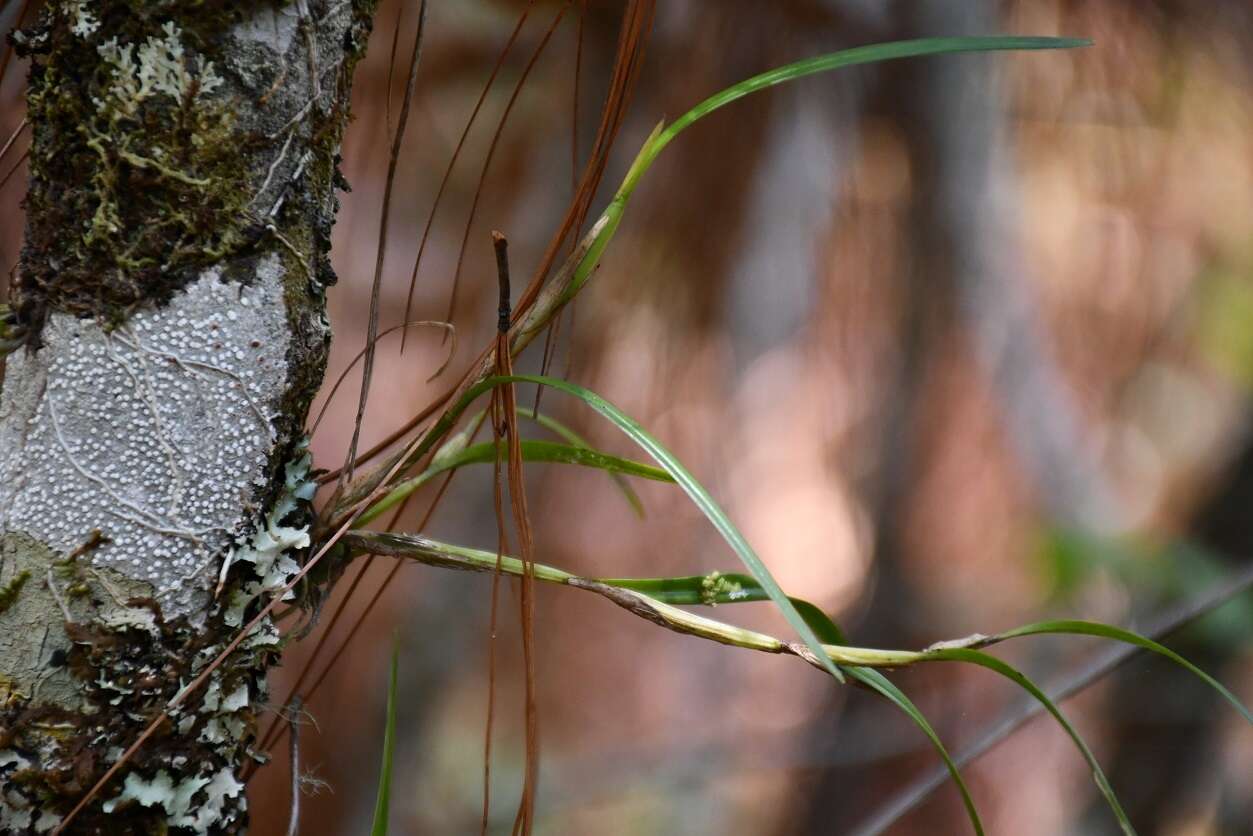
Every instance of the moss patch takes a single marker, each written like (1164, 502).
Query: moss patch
(140, 171)
(12, 589)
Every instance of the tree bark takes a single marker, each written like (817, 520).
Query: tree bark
(153, 478)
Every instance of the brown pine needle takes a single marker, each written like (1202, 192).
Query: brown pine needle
(456, 154)
(491, 153)
(372, 333)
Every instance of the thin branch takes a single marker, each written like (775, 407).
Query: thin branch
(16, 166)
(1101, 665)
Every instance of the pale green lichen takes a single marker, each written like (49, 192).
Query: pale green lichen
(180, 801)
(140, 73)
(268, 548)
(224, 723)
(157, 66)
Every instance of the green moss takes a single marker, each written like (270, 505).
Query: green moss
(10, 591)
(153, 177)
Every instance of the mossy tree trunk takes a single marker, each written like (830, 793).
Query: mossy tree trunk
(170, 306)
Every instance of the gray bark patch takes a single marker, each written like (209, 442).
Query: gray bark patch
(158, 432)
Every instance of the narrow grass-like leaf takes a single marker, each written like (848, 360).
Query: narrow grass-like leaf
(699, 496)
(870, 54)
(532, 451)
(871, 678)
(873, 53)
(736, 588)
(557, 453)
(382, 803)
(976, 657)
(1090, 628)
(571, 437)
(583, 264)
(727, 588)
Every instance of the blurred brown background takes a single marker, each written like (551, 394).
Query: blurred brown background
(960, 342)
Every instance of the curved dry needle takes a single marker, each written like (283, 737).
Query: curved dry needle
(636, 23)
(452, 350)
(16, 166)
(456, 154)
(372, 330)
(491, 153)
(21, 126)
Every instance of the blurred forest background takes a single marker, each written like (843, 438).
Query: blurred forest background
(961, 342)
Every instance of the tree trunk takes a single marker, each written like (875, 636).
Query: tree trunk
(153, 479)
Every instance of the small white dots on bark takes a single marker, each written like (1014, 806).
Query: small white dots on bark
(158, 432)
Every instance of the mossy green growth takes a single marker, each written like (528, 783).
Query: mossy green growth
(140, 170)
(12, 589)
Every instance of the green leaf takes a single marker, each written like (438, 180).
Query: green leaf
(884, 686)
(735, 588)
(726, 588)
(859, 55)
(383, 801)
(608, 223)
(976, 657)
(573, 438)
(603, 229)
(551, 451)
(532, 451)
(1089, 628)
(699, 496)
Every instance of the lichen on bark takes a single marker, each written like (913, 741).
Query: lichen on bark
(171, 299)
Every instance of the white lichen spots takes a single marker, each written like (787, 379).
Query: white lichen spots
(158, 66)
(268, 546)
(158, 433)
(180, 800)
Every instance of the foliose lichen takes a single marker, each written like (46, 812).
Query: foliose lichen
(269, 550)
